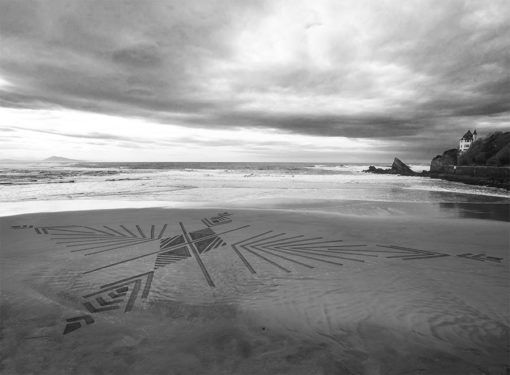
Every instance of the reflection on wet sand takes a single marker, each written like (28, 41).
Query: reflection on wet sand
(484, 211)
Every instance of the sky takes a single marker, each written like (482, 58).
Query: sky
(230, 80)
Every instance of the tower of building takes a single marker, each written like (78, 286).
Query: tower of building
(466, 140)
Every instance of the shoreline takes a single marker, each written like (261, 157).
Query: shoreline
(483, 207)
(469, 180)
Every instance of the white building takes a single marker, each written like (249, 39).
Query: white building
(467, 140)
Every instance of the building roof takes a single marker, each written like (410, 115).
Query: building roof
(468, 136)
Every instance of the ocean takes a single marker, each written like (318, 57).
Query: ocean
(35, 187)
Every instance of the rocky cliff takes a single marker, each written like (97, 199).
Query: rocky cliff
(444, 163)
(487, 162)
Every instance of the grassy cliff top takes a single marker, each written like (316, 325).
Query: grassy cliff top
(493, 150)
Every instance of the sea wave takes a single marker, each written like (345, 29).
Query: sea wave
(229, 183)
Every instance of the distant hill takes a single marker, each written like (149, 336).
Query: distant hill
(52, 159)
(60, 159)
(493, 150)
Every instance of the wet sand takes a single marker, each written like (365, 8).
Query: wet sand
(174, 291)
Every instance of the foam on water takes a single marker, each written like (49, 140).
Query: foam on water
(129, 185)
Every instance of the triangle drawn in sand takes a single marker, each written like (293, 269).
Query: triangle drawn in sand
(120, 293)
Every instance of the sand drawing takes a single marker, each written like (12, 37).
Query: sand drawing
(75, 323)
(481, 257)
(36, 229)
(122, 294)
(278, 250)
(221, 218)
(110, 296)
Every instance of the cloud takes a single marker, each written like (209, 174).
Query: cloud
(144, 56)
(414, 71)
(92, 135)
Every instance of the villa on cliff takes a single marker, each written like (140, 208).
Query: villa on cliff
(466, 140)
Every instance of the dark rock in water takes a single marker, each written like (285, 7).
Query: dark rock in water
(444, 163)
(398, 167)
(373, 169)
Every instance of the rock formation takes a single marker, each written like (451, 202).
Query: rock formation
(398, 167)
(444, 163)
(401, 168)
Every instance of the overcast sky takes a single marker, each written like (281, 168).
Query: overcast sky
(231, 80)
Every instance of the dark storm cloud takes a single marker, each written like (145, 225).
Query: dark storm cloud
(323, 125)
(435, 67)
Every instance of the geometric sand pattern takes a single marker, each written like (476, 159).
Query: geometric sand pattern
(277, 250)
(407, 253)
(95, 241)
(220, 219)
(480, 257)
(113, 296)
(171, 256)
(38, 230)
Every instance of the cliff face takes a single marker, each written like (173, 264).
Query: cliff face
(487, 162)
(444, 163)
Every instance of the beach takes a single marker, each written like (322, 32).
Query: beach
(289, 287)
(251, 188)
